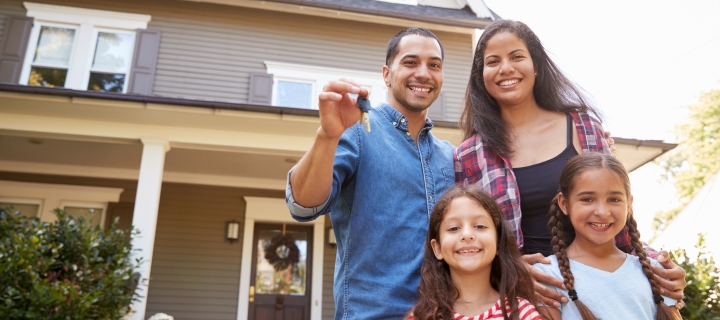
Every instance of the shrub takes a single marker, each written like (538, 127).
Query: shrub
(69, 269)
(703, 283)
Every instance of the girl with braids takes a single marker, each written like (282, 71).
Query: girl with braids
(471, 265)
(602, 281)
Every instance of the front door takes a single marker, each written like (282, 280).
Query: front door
(281, 272)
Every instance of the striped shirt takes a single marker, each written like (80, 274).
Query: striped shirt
(476, 164)
(526, 312)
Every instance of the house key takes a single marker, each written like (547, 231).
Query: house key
(364, 105)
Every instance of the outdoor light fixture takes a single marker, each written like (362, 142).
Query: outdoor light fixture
(231, 231)
(331, 237)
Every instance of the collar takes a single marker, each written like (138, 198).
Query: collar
(398, 120)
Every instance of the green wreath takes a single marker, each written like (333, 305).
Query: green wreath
(282, 252)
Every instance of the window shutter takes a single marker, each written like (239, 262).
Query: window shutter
(437, 109)
(142, 72)
(13, 47)
(260, 88)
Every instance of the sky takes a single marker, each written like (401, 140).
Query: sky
(643, 63)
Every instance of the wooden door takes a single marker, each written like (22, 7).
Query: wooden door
(281, 272)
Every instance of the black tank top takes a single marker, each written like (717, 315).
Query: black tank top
(538, 185)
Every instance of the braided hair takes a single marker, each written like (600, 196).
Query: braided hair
(560, 240)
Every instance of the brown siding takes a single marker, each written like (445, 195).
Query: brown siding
(328, 310)
(210, 56)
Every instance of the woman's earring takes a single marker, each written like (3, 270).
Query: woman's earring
(536, 73)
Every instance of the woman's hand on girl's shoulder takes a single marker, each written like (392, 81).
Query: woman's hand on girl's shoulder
(544, 294)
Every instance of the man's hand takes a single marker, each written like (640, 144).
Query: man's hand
(611, 143)
(544, 294)
(338, 109)
(671, 278)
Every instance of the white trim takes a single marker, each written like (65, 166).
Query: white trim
(54, 195)
(405, 2)
(259, 209)
(320, 76)
(99, 18)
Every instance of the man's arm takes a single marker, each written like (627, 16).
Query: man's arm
(311, 179)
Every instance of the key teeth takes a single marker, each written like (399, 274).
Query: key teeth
(366, 121)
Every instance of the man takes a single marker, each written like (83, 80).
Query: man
(378, 187)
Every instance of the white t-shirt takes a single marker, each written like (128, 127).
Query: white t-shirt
(623, 294)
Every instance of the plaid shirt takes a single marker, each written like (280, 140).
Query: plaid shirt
(475, 164)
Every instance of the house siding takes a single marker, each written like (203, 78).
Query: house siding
(211, 56)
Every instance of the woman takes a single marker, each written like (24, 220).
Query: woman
(523, 120)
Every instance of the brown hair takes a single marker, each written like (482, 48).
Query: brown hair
(574, 167)
(509, 275)
(552, 90)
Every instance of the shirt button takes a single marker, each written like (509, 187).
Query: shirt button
(430, 198)
(407, 132)
(394, 123)
(402, 119)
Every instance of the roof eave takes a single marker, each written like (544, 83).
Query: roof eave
(463, 26)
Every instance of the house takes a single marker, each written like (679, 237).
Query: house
(182, 118)
(701, 215)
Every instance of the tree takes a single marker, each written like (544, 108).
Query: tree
(703, 283)
(69, 269)
(697, 157)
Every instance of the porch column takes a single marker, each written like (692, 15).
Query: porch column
(147, 200)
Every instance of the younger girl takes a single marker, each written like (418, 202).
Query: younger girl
(603, 281)
(471, 268)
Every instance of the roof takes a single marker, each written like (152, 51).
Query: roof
(464, 17)
(458, 20)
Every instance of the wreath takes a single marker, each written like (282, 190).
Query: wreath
(282, 252)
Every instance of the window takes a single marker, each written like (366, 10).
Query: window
(80, 49)
(26, 207)
(93, 212)
(39, 199)
(298, 86)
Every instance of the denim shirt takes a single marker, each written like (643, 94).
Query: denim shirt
(384, 188)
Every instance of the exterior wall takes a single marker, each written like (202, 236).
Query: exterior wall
(195, 272)
(209, 56)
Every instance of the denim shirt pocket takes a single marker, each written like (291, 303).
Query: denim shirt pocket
(449, 175)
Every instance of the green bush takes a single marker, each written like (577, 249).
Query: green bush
(703, 283)
(69, 269)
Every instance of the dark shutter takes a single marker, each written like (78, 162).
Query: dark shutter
(13, 47)
(260, 88)
(437, 109)
(122, 211)
(142, 72)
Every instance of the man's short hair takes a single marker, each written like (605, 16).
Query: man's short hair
(392, 49)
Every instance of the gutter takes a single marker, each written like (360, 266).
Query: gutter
(71, 93)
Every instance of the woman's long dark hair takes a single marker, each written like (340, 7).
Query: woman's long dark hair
(552, 91)
(574, 167)
(509, 275)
